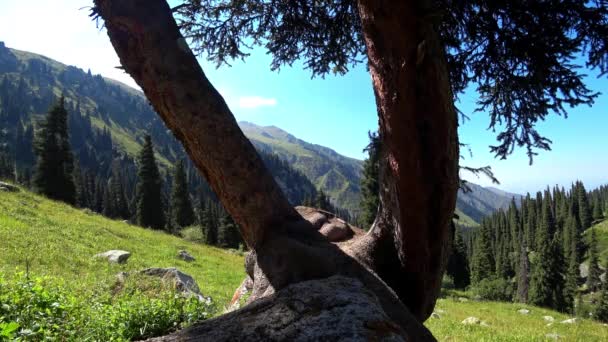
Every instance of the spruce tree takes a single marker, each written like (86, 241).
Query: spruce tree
(108, 209)
(55, 164)
(482, 263)
(601, 310)
(370, 198)
(228, 233)
(571, 286)
(593, 279)
(81, 194)
(584, 209)
(458, 264)
(208, 224)
(598, 211)
(545, 272)
(150, 212)
(117, 191)
(182, 214)
(523, 274)
(322, 202)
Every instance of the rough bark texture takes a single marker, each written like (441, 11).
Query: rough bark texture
(408, 243)
(153, 51)
(332, 309)
(419, 165)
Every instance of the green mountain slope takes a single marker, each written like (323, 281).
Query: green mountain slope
(107, 119)
(601, 231)
(30, 82)
(483, 201)
(504, 323)
(337, 175)
(59, 241)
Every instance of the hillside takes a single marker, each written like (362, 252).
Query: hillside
(483, 201)
(337, 175)
(601, 230)
(59, 241)
(503, 322)
(52, 287)
(108, 121)
(340, 176)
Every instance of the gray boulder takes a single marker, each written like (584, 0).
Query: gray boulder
(570, 321)
(549, 318)
(114, 256)
(185, 256)
(8, 187)
(337, 308)
(182, 282)
(471, 321)
(523, 311)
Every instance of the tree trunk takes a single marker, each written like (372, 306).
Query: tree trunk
(419, 165)
(407, 246)
(153, 51)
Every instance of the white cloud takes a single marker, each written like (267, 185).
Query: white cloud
(256, 101)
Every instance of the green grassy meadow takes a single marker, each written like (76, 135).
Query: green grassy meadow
(504, 323)
(51, 286)
(75, 298)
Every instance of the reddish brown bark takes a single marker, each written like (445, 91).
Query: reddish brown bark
(419, 167)
(154, 53)
(407, 246)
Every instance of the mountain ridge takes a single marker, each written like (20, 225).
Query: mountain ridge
(126, 113)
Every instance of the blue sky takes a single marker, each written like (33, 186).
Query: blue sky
(336, 111)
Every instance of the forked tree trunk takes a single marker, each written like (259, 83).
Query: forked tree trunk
(408, 243)
(154, 53)
(419, 164)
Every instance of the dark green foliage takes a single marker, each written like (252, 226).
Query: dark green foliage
(601, 311)
(598, 209)
(593, 279)
(182, 214)
(107, 204)
(53, 177)
(525, 61)
(370, 196)
(208, 222)
(547, 280)
(322, 202)
(458, 264)
(41, 309)
(584, 210)
(523, 275)
(571, 286)
(118, 198)
(483, 261)
(228, 232)
(148, 192)
(492, 288)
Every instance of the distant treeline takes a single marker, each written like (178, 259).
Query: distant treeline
(532, 253)
(70, 143)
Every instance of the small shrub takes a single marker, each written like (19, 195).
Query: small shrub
(40, 309)
(193, 233)
(495, 289)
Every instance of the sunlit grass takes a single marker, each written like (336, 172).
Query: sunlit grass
(51, 238)
(504, 323)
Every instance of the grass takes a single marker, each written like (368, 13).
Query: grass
(73, 290)
(506, 324)
(601, 230)
(59, 241)
(465, 220)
